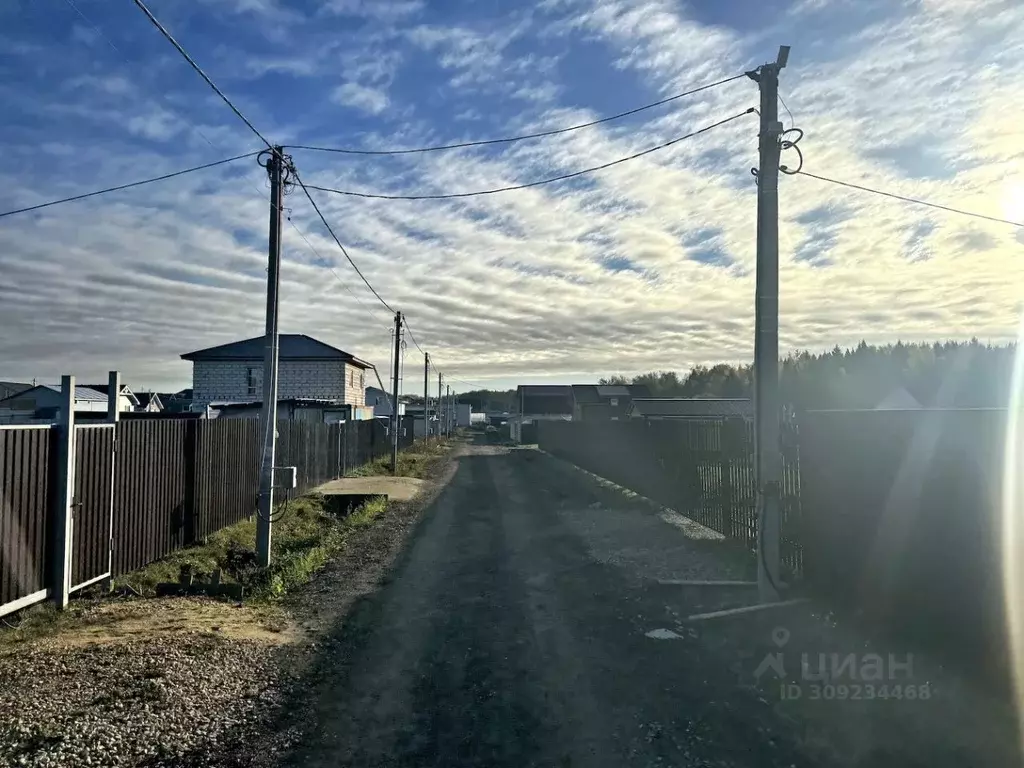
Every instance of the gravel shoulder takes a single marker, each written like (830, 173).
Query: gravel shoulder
(183, 681)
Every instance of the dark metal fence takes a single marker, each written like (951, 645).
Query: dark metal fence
(227, 473)
(91, 518)
(171, 483)
(905, 523)
(27, 461)
(701, 468)
(150, 490)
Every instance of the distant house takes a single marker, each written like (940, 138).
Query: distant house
(307, 370)
(41, 404)
(380, 401)
(149, 402)
(600, 402)
(540, 402)
(129, 401)
(657, 408)
(11, 388)
(176, 402)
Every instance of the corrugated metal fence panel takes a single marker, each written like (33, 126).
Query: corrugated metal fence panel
(702, 468)
(227, 472)
(27, 462)
(150, 491)
(90, 552)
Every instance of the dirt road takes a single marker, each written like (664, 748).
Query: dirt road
(514, 633)
(531, 622)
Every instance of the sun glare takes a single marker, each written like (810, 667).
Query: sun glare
(1013, 201)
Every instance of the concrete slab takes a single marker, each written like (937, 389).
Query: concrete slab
(395, 488)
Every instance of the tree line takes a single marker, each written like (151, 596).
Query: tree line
(942, 374)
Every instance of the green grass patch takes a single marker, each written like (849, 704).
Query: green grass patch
(415, 461)
(305, 538)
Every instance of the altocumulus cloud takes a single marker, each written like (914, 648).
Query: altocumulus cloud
(645, 265)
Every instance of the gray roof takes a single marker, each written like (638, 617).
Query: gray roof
(586, 393)
(292, 346)
(613, 390)
(14, 386)
(103, 389)
(84, 394)
(545, 389)
(690, 407)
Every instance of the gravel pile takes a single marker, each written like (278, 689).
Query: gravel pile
(188, 700)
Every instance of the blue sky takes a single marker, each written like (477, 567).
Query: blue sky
(648, 265)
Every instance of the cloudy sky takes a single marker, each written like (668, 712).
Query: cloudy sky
(648, 265)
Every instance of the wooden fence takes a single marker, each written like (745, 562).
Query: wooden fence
(147, 487)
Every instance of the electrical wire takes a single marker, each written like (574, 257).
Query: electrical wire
(359, 272)
(129, 185)
(792, 120)
(541, 182)
(524, 137)
(369, 308)
(99, 31)
(198, 69)
(386, 393)
(413, 337)
(909, 199)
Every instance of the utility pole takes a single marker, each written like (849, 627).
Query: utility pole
(768, 462)
(439, 377)
(268, 414)
(395, 418)
(448, 411)
(426, 396)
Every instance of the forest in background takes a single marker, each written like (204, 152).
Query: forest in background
(943, 374)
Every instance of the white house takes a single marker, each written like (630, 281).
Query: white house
(307, 369)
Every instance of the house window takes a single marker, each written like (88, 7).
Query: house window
(251, 381)
(614, 402)
(351, 378)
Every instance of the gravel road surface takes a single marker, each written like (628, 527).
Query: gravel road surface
(522, 628)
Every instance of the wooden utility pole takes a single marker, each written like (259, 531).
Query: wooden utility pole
(439, 404)
(268, 414)
(448, 411)
(766, 333)
(426, 396)
(396, 420)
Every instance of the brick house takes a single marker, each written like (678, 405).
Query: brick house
(307, 369)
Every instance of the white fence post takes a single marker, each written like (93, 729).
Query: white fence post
(65, 493)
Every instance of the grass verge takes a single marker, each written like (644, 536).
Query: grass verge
(415, 461)
(305, 537)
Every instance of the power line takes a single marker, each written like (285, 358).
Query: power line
(129, 185)
(334, 272)
(541, 182)
(198, 69)
(524, 137)
(911, 199)
(101, 33)
(350, 261)
(413, 337)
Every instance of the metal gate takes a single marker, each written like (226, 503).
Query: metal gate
(92, 505)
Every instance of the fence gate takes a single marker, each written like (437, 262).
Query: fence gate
(92, 505)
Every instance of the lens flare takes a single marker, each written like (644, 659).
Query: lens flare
(1013, 528)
